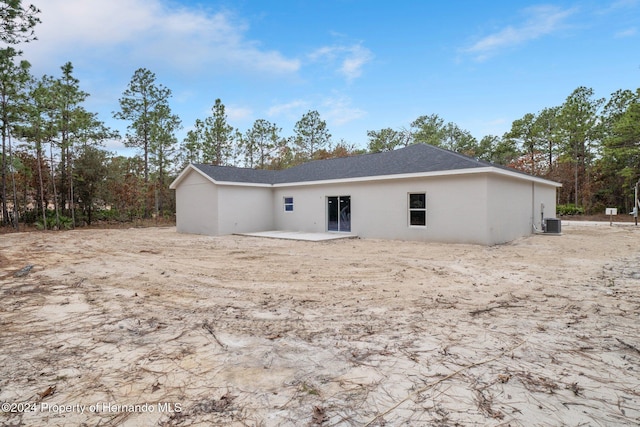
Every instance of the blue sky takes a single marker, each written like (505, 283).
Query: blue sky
(363, 65)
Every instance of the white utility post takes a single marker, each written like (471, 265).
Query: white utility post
(636, 203)
(611, 212)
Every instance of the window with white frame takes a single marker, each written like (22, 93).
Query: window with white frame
(418, 209)
(288, 204)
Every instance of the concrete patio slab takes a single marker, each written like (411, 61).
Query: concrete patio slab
(298, 235)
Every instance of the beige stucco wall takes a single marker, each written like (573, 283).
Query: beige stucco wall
(473, 208)
(509, 209)
(196, 205)
(244, 209)
(456, 209)
(515, 206)
(483, 208)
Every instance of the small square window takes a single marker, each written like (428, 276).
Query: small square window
(418, 209)
(288, 204)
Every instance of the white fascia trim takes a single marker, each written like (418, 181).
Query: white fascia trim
(371, 178)
(526, 177)
(241, 184)
(180, 177)
(185, 172)
(425, 174)
(190, 168)
(469, 171)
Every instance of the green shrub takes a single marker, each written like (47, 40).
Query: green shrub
(569, 209)
(30, 216)
(66, 223)
(107, 215)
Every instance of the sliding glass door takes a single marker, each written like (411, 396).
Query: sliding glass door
(339, 213)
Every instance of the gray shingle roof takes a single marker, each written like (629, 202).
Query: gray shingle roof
(234, 174)
(415, 158)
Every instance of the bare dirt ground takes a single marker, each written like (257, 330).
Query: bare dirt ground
(150, 327)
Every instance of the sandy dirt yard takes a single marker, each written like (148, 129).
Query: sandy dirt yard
(149, 327)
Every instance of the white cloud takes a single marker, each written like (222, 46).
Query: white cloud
(150, 31)
(349, 60)
(541, 21)
(339, 111)
(620, 5)
(336, 110)
(625, 3)
(629, 32)
(290, 109)
(236, 113)
(355, 60)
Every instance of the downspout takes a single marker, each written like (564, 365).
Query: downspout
(533, 212)
(533, 207)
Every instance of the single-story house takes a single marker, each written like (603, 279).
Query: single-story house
(419, 192)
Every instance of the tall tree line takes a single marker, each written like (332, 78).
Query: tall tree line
(591, 145)
(61, 175)
(56, 173)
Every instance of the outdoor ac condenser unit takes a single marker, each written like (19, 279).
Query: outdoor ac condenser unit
(552, 225)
